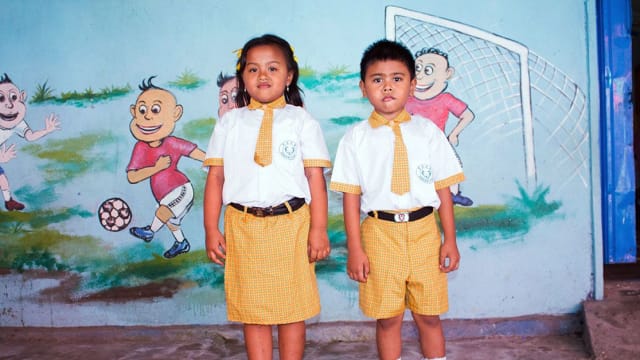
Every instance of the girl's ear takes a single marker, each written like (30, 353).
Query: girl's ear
(289, 77)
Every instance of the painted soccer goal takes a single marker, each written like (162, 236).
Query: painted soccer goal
(514, 92)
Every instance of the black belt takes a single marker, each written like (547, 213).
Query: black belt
(402, 217)
(294, 203)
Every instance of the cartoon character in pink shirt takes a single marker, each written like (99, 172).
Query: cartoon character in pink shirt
(430, 100)
(155, 157)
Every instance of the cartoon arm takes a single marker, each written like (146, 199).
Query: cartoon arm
(197, 154)
(7, 153)
(51, 124)
(466, 118)
(137, 175)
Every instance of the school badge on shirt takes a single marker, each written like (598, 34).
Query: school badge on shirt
(424, 173)
(288, 149)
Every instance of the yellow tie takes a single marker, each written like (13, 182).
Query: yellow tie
(400, 174)
(264, 147)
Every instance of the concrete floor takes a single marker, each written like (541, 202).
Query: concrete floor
(612, 332)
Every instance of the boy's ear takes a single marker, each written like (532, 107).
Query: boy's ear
(177, 112)
(412, 87)
(363, 89)
(23, 96)
(450, 72)
(132, 109)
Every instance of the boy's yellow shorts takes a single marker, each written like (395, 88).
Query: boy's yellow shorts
(404, 268)
(268, 278)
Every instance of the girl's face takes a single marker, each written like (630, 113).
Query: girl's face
(266, 74)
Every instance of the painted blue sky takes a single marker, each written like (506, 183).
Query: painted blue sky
(111, 42)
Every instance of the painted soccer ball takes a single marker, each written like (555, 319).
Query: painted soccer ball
(114, 214)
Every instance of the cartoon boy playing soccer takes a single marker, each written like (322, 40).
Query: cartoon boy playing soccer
(155, 156)
(12, 112)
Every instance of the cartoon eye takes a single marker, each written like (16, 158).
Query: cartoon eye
(142, 109)
(418, 68)
(224, 99)
(155, 109)
(2, 98)
(428, 70)
(234, 94)
(14, 96)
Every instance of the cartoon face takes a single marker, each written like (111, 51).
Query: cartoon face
(154, 115)
(387, 85)
(432, 74)
(227, 97)
(266, 74)
(12, 106)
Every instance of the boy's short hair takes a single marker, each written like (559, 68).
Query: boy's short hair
(383, 50)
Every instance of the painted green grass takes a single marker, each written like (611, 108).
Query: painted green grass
(30, 240)
(197, 130)
(44, 94)
(71, 158)
(187, 80)
(331, 80)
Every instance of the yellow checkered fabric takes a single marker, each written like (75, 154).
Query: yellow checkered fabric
(404, 261)
(400, 173)
(268, 278)
(264, 147)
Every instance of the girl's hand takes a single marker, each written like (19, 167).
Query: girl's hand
(318, 247)
(216, 247)
(358, 265)
(449, 251)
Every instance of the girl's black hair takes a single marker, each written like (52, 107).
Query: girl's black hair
(293, 94)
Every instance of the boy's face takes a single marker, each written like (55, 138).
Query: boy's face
(432, 74)
(12, 106)
(227, 97)
(387, 85)
(154, 115)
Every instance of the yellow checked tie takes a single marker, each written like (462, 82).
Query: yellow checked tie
(400, 175)
(264, 147)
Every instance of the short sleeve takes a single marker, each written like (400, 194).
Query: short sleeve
(215, 149)
(344, 177)
(314, 148)
(446, 164)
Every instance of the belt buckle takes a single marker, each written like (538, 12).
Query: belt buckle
(259, 212)
(401, 217)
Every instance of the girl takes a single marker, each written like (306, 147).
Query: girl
(275, 224)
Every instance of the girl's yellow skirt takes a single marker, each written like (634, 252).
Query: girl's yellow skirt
(268, 278)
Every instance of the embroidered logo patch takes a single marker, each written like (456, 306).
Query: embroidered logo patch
(424, 173)
(288, 149)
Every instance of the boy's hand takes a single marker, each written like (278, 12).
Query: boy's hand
(318, 247)
(51, 123)
(449, 251)
(358, 266)
(163, 162)
(7, 153)
(216, 247)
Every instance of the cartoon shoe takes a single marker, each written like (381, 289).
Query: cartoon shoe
(177, 249)
(12, 205)
(460, 199)
(143, 233)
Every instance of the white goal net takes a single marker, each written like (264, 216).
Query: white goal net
(514, 94)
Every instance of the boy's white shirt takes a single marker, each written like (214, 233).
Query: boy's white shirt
(364, 159)
(297, 137)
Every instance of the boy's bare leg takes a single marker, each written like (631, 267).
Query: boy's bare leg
(291, 339)
(258, 341)
(389, 337)
(432, 341)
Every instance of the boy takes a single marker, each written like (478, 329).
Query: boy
(13, 109)
(155, 157)
(396, 169)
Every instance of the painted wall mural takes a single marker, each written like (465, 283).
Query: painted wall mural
(111, 229)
